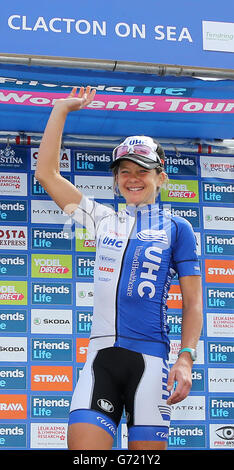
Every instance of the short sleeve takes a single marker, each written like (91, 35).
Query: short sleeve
(89, 213)
(185, 257)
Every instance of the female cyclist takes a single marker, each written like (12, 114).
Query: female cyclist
(138, 251)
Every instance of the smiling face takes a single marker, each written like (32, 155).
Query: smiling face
(137, 184)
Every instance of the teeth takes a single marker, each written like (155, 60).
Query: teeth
(135, 189)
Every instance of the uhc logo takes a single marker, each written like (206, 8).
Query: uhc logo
(112, 243)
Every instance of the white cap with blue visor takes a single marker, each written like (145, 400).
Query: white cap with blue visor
(142, 150)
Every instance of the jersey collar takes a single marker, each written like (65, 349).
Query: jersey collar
(143, 209)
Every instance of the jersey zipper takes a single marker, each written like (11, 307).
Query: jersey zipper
(117, 288)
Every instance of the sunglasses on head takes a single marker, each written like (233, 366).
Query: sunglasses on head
(137, 149)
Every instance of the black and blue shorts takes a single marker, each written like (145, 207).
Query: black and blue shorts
(114, 379)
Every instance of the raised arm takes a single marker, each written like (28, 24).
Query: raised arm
(62, 191)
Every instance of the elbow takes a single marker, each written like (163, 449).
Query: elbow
(41, 177)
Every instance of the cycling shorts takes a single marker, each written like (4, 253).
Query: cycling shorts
(114, 379)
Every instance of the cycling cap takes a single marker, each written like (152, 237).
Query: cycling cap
(142, 150)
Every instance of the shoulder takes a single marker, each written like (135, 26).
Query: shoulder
(181, 225)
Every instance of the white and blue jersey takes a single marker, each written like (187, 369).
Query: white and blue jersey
(138, 251)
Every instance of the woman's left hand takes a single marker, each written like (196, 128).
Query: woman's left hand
(181, 373)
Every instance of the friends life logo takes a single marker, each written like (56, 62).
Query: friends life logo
(51, 293)
(13, 210)
(14, 265)
(50, 406)
(219, 244)
(51, 239)
(218, 192)
(51, 350)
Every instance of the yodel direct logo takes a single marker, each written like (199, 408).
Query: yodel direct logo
(52, 265)
(13, 293)
(180, 191)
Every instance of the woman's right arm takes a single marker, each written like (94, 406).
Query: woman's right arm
(62, 191)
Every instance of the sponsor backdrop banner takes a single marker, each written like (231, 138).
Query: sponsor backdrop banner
(46, 295)
(161, 32)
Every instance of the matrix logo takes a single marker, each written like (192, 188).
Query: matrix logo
(192, 408)
(47, 212)
(180, 191)
(13, 293)
(221, 380)
(98, 187)
(52, 266)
